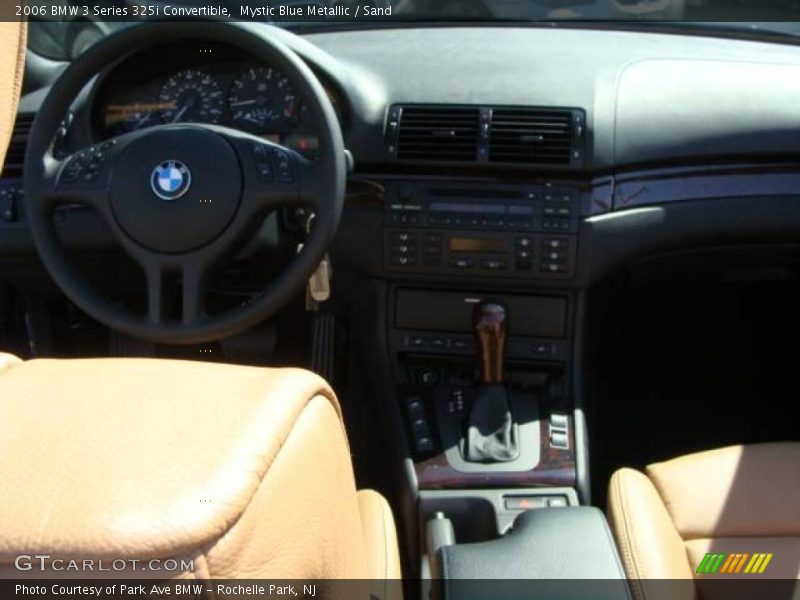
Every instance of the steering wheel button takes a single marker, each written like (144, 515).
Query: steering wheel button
(265, 171)
(285, 173)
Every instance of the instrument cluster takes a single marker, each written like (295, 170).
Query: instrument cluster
(210, 84)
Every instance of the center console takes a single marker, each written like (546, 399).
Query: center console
(480, 333)
(481, 330)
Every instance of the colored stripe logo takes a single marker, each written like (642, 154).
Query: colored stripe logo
(732, 563)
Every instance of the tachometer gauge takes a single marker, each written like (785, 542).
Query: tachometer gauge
(262, 100)
(192, 97)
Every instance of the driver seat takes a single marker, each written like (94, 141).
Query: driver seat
(243, 471)
(13, 39)
(232, 472)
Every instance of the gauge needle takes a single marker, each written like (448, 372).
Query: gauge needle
(180, 114)
(244, 103)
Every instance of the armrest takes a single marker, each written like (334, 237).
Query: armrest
(546, 544)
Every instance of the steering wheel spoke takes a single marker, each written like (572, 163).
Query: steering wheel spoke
(156, 297)
(193, 293)
(275, 176)
(176, 288)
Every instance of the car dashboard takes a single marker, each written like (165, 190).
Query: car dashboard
(522, 165)
(478, 142)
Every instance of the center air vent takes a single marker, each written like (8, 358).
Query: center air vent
(15, 156)
(448, 134)
(538, 136)
(531, 136)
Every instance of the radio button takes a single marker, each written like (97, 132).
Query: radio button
(554, 244)
(403, 236)
(404, 218)
(404, 261)
(462, 263)
(519, 222)
(436, 343)
(494, 265)
(548, 267)
(473, 222)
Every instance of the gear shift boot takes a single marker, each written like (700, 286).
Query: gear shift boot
(492, 435)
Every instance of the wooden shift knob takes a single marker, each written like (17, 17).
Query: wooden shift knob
(489, 321)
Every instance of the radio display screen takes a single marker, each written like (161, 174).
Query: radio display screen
(462, 207)
(478, 245)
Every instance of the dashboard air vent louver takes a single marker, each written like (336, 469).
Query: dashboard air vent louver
(15, 156)
(531, 136)
(438, 134)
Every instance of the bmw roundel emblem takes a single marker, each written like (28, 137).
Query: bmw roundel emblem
(170, 180)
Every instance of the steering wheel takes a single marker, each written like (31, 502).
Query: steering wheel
(180, 199)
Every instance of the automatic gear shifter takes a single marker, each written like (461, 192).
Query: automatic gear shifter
(492, 434)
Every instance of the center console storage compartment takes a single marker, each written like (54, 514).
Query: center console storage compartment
(571, 545)
(451, 312)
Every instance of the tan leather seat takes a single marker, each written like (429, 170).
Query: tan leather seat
(736, 500)
(244, 471)
(12, 65)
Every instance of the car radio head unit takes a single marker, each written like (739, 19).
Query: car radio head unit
(479, 245)
(512, 231)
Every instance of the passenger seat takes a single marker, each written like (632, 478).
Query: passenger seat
(727, 513)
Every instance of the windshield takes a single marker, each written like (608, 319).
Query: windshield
(63, 29)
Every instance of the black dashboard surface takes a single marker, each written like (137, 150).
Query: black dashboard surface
(641, 91)
(650, 98)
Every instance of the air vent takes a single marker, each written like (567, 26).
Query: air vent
(15, 156)
(438, 134)
(531, 136)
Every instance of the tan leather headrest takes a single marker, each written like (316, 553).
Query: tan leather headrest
(13, 40)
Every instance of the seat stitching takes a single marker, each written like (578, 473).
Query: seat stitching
(628, 542)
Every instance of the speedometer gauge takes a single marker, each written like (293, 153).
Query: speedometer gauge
(192, 97)
(262, 101)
